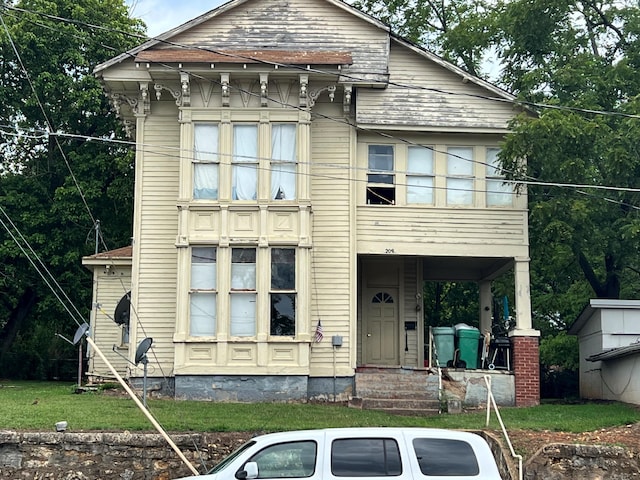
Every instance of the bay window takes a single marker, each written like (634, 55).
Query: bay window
(420, 175)
(205, 161)
(499, 193)
(283, 292)
(460, 176)
(283, 161)
(243, 292)
(202, 293)
(245, 162)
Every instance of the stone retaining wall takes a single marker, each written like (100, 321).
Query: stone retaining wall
(582, 462)
(101, 456)
(146, 456)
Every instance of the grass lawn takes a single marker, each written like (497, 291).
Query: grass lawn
(39, 405)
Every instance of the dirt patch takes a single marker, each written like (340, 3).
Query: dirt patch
(527, 442)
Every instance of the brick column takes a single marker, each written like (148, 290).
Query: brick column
(526, 366)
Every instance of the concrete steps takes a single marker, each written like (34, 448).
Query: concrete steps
(396, 390)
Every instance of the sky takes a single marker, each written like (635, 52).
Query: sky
(163, 15)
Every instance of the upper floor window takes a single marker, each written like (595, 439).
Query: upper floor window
(499, 193)
(460, 176)
(202, 293)
(245, 162)
(380, 176)
(420, 175)
(243, 292)
(283, 292)
(283, 161)
(205, 161)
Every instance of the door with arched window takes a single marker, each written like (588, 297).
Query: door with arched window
(380, 327)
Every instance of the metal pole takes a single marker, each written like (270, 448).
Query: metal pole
(97, 235)
(144, 383)
(134, 397)
(80, 367)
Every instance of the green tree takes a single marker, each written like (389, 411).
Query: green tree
(461, 31)
(583, 57)
(55, 183)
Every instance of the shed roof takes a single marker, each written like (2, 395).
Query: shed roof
(615, 353)
(596, 304)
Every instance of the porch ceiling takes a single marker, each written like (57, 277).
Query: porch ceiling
(470, 269)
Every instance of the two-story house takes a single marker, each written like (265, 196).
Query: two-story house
(298, 165)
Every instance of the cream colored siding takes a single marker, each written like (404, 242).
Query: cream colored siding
(441, 231)
(110, 285)
(294, 25)
(155, 299)
(331, 273)
(410, 339)
(440, 100)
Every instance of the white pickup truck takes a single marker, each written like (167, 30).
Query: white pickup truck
(350, 453)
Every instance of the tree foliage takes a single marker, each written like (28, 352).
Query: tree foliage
(584, 241)
(581, 58)
(462, 31)
(55, 182)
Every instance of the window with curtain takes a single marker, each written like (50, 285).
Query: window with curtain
(245, 162)
(380, 176)
(283, 292)
(205, 161)
(283, 161)
(420, 175)
(460, 176)
(202, 294)
(243, 292)
(498, 192)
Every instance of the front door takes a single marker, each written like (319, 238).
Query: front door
(380, 327)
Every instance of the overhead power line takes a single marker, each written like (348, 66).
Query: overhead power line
(515, 101)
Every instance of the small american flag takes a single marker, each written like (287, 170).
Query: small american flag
(319, 333)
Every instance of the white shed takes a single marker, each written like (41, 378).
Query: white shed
(608, 333)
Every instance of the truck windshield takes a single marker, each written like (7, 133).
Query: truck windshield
(226, 461)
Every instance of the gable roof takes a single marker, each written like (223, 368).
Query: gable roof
(175, 52)
(164, 38)
(119, 256)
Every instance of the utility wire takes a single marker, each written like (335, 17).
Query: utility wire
(46, 118)
(532, 181)
(49, 279)
(161, 150)
(514, 101)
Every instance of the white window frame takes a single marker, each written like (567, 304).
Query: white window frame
(282, 288)
(203, 293)
(206, 161)
(243, 294)
(499, 193)
(245, 162)
(284, 145)
(420, 175)
(380, 188)
(460, 177)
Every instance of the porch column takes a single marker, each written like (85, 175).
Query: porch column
(486, 303)
(524, 341)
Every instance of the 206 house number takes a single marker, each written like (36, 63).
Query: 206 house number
(389, 250)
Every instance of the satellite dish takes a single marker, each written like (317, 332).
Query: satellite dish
(143, 348)
(122, 312)
(82, 329)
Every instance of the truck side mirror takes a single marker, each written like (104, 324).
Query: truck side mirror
(250, 471)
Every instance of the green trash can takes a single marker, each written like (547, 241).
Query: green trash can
(444, 338)
(468, 344)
